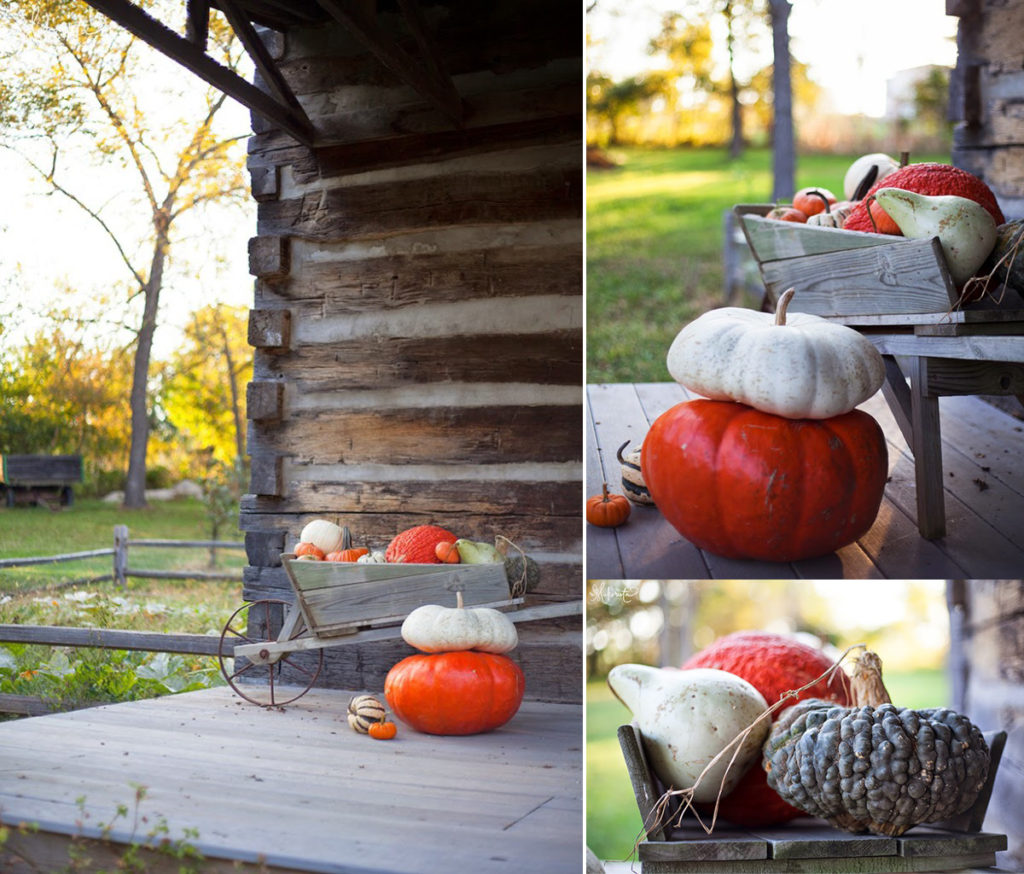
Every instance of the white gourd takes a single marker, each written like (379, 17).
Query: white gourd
(686, 718)
(433, 628)
(324, 535)
(800, 367)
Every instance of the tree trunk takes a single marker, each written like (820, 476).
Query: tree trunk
(736, 142)
(135, 483)
(784, 150)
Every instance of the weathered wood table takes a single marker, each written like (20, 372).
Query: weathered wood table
(982, 479)
(804, 845)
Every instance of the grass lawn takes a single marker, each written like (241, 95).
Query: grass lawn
(89, 524)
(70, 677)
(654, 246)
(613, 822)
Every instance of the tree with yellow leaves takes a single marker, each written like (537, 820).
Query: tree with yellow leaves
(76, 86)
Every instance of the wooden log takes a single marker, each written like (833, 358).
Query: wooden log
(264, 400)
(374, 363)
(269, 329)
(270, 257)
(372, 282)
(487, 435)
(332, 492)
(24, 705)
(265, 473)
(467, 198)
(53, 559)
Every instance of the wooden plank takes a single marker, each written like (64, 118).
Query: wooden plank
(470, 198)
(926, 447)
(970, 347)
(648, 545)
(863, 865)
(821, 841)
(340, 608)
(899, 278)
(108, 638)
(511, 794)
(489, 434)
(923, 843)
(24, 705)
(773, 240)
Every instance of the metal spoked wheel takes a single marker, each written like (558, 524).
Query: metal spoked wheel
(251, 624)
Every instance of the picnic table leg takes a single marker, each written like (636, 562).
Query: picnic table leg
(927, 449)
(916, 411)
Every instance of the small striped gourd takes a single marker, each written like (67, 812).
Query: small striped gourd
(363, 711)
(633, 485)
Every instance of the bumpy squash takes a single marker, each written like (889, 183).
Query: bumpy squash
(800, 367)
(924, 178)
(417, 545)
(746, 484)
(875, 767)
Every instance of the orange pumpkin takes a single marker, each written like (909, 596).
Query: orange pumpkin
(310, 550)
(382, 730)
(455, 693)
(447, 552)
(349, 555)
(811, 201)
(788, 214)
(607, 510)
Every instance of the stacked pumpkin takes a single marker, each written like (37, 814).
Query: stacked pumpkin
(839, 749)
(774, 462)
(462, 681)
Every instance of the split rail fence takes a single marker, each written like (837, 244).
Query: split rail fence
(109, 638)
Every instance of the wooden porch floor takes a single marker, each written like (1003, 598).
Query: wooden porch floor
(982, 453)
(297, 789)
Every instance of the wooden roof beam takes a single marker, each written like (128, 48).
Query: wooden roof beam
(427, 78)
(288, 115)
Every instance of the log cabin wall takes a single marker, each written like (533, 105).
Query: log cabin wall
(987, 96)
(418, 310)
(987, 648)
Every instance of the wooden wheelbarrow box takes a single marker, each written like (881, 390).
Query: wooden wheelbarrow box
(807, 845)
(338, 598)
(861, 278)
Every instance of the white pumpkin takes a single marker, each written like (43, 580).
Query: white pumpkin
(686, 718)
(433, 628)
(800, 367)
(324, 535)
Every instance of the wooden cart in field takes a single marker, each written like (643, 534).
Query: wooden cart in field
(339, 603)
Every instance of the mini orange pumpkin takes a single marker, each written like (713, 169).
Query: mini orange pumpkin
(382, 730)
(447, 552)
(309, 549)
(350, 555)
(811, 201)
(607, 510)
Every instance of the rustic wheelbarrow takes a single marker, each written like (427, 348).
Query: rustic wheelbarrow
(340, 603)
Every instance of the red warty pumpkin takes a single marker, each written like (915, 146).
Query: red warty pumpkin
(745, 484)
(461, 692)
(773, 664)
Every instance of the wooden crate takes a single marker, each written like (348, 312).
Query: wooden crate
(338, 598)
(861, 278)
(806, 845)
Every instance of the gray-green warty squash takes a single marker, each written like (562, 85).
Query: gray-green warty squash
(875, 767)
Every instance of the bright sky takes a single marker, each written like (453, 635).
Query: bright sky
(850, 48)
(49, 245)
